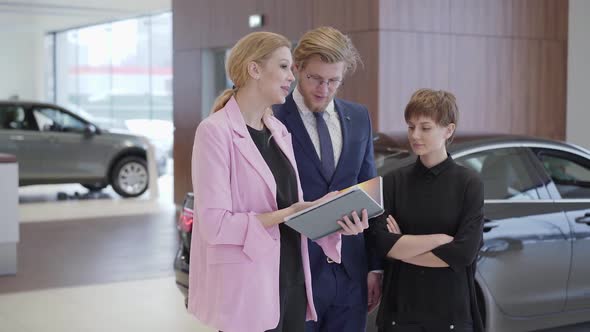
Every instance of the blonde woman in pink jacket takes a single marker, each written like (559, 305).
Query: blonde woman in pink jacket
(249, 272)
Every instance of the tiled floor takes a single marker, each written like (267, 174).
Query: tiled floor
(95, 265)
(152, 305)
(41, 202)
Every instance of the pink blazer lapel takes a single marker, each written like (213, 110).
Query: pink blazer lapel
(246, 146)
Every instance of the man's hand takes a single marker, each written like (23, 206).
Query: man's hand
(356, 227)
(374, 280)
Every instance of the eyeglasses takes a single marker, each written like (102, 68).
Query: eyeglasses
(318, 81)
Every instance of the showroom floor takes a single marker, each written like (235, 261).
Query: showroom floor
(103, 264)
(94, 264)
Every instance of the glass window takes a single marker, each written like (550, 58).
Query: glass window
(51, 119)
(507, 173)
(115, 71)
(93, 70)
(49, 48)
(161, 66)
(13, 117)
(570, 173)
(66, 69)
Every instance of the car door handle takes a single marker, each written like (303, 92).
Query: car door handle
(496, 247)
(17, 138)
(585, 219)
(489, 225)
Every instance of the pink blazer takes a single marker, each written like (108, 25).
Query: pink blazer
(234, 268)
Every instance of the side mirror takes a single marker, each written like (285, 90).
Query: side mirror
(90, 130)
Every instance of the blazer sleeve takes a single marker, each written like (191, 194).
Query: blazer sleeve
(217, 224)
(464, 248)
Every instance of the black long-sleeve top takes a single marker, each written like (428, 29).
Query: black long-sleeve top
(291, 266)
(447, 198)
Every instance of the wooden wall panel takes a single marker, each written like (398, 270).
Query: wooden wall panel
(543, 19)
(480, 79)
(407, 62)
(482, 17)
(220, 23)
(346, 15)
(290, 18)
(188, 28)
(525, 101)
(415, 15)
(550, 120)
(362, 86)
(187, 115)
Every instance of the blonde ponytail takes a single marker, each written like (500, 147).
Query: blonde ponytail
(221, 100)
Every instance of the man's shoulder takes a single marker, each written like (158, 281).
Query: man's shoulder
(279, 110)
(351, 106)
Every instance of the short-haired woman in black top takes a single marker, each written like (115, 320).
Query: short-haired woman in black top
(431, 230)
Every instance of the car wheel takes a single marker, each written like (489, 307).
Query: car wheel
(94, 187)
(130, 176)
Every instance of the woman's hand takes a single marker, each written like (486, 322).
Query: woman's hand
(354, 227)
(296, 207)
(392, 225)
(270, 219)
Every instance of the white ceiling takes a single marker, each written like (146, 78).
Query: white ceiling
(52, 15)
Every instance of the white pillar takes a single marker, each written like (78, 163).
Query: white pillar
(578, 73)
(9, 233)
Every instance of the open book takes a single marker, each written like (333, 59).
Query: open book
(321, 219)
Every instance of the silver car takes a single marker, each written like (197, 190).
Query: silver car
(533, 269)
(53, 145)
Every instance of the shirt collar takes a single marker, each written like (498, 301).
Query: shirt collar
(304, 111)
(435, 170)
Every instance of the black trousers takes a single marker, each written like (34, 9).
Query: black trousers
(293, 309)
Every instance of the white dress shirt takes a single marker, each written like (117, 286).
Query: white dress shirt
(332, 121)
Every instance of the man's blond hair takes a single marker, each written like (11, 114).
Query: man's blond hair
(330, 45)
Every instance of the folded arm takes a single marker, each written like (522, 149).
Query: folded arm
(463, 250)
(427, 260)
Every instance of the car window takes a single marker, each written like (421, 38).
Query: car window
(507, 173)
(51, 119)
(13, 117)
(569, 172)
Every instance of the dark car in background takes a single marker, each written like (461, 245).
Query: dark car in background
(532, 271)
(54, 145)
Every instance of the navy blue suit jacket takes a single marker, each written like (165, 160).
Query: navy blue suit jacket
(356, 164)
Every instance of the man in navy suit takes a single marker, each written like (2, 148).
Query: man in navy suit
(334, 150)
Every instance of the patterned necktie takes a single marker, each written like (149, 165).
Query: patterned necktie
(326, 150)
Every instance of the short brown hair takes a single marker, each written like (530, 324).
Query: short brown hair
(440, 106)
(330, 45)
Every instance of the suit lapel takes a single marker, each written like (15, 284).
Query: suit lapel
(345, 125)
(299, 132)
(246, 146)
